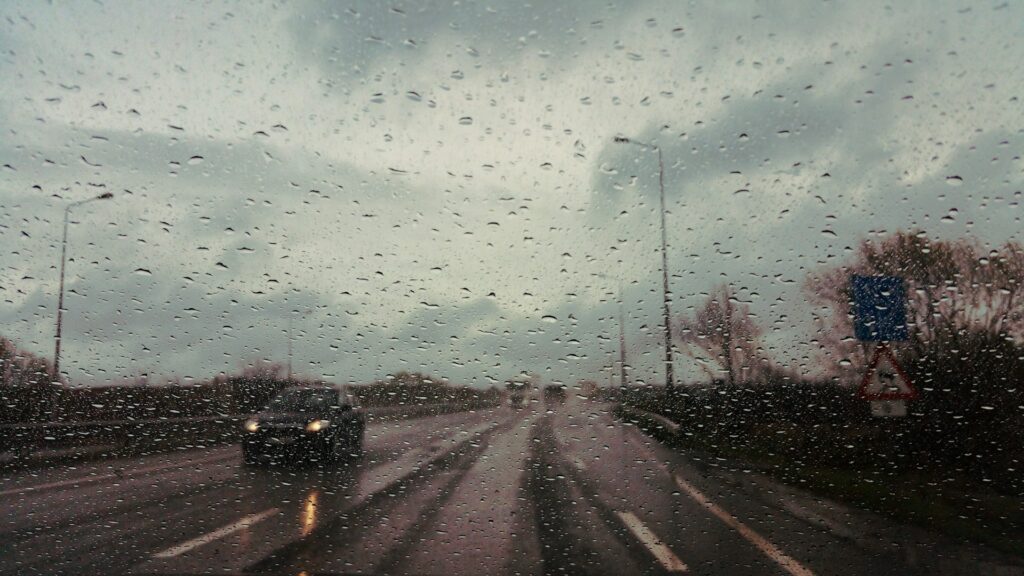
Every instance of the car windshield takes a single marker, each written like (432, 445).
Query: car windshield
(523, 287)
(301, 400)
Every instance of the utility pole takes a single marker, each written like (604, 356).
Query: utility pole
(60, 296)
(622, 344)
(727, 335)
(666, 320)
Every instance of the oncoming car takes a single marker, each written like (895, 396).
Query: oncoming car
(322, 424)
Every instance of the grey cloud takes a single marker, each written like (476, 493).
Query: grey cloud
(397, 264)
(357, 35)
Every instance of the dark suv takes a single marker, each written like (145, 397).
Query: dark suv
(320, 422)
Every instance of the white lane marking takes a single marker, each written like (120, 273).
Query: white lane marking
(767, 548)
(126, 475)
(216, 534)
(815, 518)
(650, 540)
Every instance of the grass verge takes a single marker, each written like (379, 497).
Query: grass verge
(937, 500)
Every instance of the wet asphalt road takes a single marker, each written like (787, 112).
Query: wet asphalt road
(565, 489)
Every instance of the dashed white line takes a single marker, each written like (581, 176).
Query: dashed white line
(650, 540)
(216, 534)
(767, 548)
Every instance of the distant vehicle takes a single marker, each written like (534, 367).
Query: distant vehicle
(516, 394)
(516, 398)
(318, 422)
(554, 393)
(588, 389)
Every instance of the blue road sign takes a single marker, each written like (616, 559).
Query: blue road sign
(879, 308)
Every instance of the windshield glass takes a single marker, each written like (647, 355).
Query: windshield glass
(622, 287)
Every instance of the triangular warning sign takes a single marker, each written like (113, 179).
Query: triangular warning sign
(885, 379)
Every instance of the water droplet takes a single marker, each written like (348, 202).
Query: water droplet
(466, 120)
(196, 160)
(954, 180)
(143, 272)
(549, 319)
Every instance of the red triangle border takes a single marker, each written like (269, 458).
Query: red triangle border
(883, 348)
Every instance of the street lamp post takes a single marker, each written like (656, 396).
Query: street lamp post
(63, 261)
(669, 375)
(622, 344)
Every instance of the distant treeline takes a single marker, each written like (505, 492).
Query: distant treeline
(28, 394)
(410, 389)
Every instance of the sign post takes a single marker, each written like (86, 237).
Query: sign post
(879, 306)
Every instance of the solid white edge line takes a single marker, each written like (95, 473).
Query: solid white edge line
(767, 548)
(217, 534)
(661, 552)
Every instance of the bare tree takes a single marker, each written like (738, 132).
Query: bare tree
(953, 288)
(262, 369)
(26, 387)
(723, 329)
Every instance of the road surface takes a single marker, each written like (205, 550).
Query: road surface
(568, 490)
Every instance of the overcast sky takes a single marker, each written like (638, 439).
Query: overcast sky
(434, 186)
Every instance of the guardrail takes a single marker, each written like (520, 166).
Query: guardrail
(40, 441)
(660, 422)
(37, 442)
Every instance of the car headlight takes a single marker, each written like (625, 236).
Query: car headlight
(252, 425)
(317, 425)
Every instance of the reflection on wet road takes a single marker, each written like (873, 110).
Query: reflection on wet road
(538, 490)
